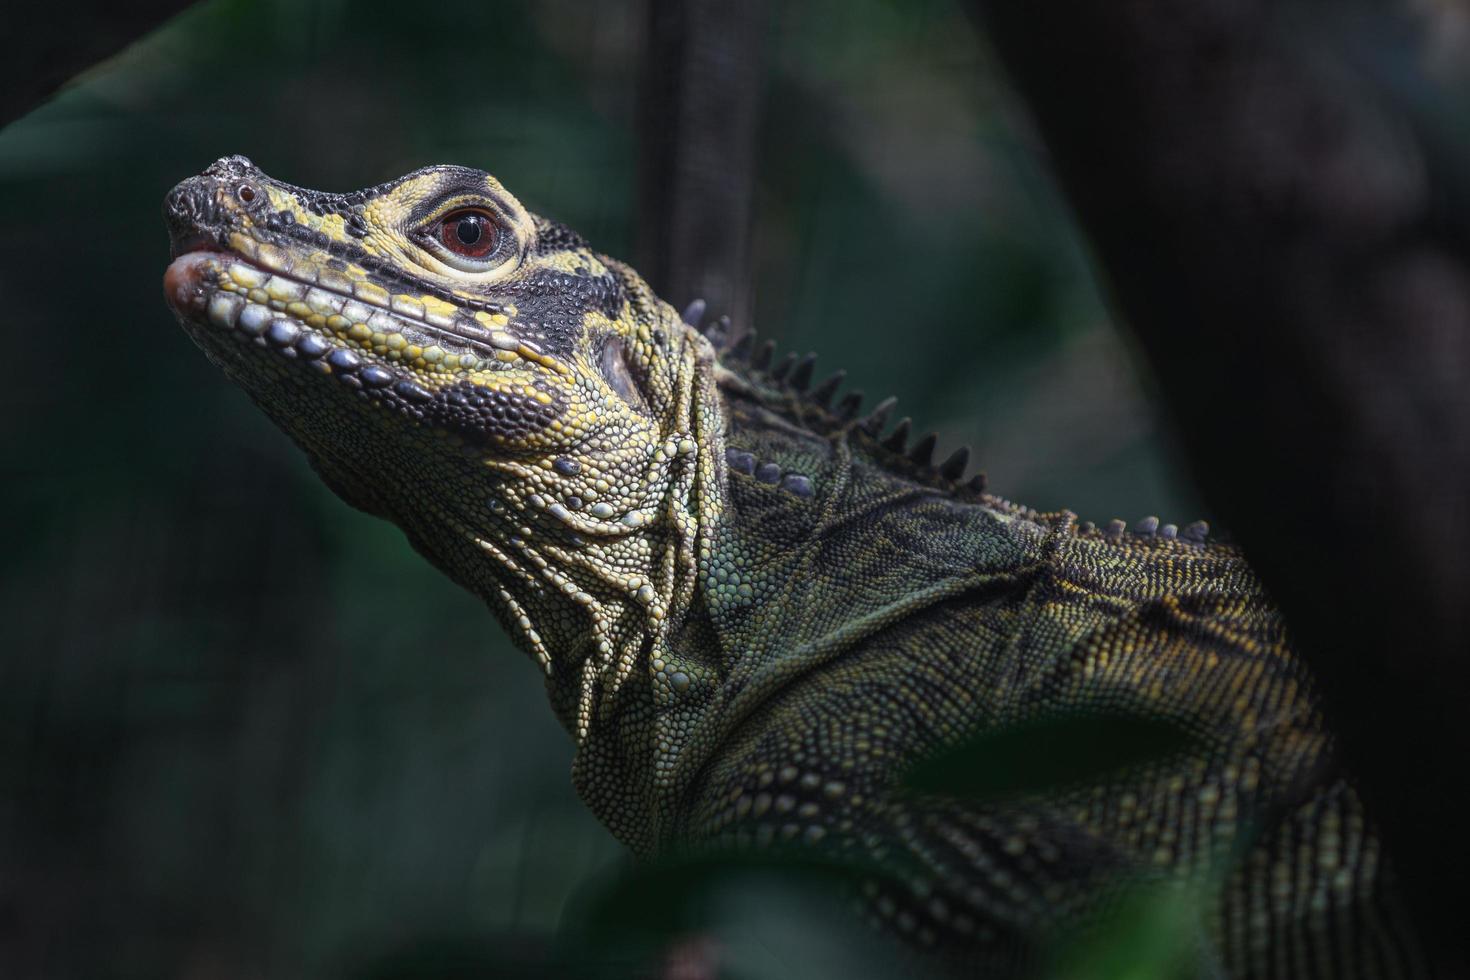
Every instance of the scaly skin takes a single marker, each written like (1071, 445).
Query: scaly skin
(753, 615)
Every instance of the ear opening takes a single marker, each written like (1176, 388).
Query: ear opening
(621, 374)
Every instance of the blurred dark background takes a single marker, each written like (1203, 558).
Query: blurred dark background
(245, 730)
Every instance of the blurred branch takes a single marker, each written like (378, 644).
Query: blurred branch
(51, 44)
(1282, 240)
(698, 116)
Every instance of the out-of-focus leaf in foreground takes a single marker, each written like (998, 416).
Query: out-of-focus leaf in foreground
(1045, 754)
(1151, 933)
(756, 916)
(459, 957)
(659, 899)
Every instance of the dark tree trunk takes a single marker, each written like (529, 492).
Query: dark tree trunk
(1286, 241)
(43, 50)
(699, 109)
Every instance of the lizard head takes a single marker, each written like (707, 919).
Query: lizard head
(437, 297)
(462, 367)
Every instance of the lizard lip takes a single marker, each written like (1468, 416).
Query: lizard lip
(211, 282)
(299, 321)
(184, 283)
(192, 286)
(183, 244)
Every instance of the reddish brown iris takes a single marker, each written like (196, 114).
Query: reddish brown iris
(468, 233)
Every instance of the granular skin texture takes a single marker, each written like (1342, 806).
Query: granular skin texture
(757, 612)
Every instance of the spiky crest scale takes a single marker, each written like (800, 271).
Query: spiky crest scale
(791, 376)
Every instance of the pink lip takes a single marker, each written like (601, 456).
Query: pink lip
(183, 281)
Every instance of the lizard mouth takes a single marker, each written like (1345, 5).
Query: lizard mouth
(365, 344)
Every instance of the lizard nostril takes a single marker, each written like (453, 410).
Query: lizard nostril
(183, 203)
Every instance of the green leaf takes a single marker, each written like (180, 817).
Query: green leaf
(1042, 755)
(1152, 933)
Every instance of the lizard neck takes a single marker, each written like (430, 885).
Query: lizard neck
(600, 596)
(594, 593)
(779, 594)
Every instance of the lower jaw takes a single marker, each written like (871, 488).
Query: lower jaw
(218, 316)
(343, 320)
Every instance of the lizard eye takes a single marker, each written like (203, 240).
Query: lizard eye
(469, 237)
(469, 233)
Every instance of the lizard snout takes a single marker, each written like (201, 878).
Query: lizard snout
(198, 209)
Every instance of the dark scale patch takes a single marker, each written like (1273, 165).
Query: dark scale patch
(275, 222)
(323, 203)
(552, 236)
(548, 291)
(319, 203)
(382, 273)
(482, 415)
(550, 306)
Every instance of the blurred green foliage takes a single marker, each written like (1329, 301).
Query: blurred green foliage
(1042, 755)
(244, 730)
(1151, 933)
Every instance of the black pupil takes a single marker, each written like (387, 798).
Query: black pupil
(468, 229)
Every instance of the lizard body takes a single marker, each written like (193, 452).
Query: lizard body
(755, 611)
